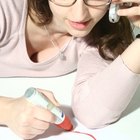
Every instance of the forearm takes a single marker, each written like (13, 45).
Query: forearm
(131, 56)
(105, 96)
(4, 110)
(102, 91)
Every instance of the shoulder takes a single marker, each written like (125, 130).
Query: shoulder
(10, 7)
(84, 47)
(90, 56)
(11, 14)
(9, 4)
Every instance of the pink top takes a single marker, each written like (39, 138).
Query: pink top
(102, 90)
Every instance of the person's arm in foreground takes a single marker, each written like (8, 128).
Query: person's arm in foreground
(25, 119)
(102, 92)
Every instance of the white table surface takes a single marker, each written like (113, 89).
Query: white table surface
(127, 128)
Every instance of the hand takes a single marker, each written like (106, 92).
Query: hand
(27, 120)
(133, 12)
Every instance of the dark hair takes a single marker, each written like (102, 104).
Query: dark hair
(110, 38)
(41, 9)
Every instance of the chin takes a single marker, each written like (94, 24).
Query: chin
(80, 33)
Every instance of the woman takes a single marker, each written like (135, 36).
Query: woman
(46, 38)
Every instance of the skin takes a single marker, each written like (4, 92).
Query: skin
(67, 22)
(28, 121)
(72, 20)
(131, 55)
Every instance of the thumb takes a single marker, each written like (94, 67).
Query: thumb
(50, 96)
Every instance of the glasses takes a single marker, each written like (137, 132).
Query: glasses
(93, 3)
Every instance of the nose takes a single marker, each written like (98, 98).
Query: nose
(79, 10)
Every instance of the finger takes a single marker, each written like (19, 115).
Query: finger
(30, 132)
(133, 11)
(27, 137)
(43, 114)
(42, 125)
(33, 129)
(50, 95)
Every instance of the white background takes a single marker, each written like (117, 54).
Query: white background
(127, 128)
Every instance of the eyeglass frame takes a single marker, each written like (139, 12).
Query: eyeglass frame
(109, 2)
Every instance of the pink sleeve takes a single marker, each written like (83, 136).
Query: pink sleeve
(102, 91)
(1, 22)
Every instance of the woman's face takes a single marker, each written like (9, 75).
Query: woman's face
(78, 19)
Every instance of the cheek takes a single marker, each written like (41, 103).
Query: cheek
(58, 11)
(98, 14)
(59, 16)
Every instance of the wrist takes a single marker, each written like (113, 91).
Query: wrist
(5, 107)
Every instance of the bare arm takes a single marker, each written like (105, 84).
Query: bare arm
(4, 109)
(25, 119)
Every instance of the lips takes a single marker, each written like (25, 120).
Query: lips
(79, 25)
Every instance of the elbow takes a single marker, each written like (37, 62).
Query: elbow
(96, 123)
(98, 119)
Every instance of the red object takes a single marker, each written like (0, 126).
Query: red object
(85, 134)
(66, 124)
